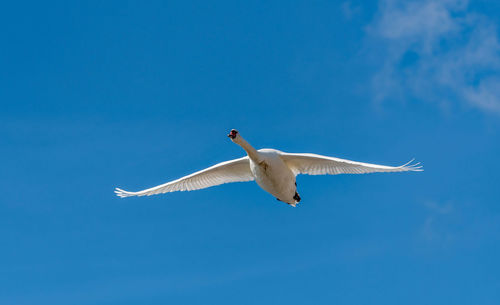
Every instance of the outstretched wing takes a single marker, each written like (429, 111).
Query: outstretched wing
(313, 164)
(237, 170)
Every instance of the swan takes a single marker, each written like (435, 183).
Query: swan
(273, 170)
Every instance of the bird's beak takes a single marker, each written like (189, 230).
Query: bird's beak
(232, 134)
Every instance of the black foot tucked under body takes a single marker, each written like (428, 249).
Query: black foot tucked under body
(296, 197)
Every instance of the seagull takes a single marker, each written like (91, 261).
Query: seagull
(273, 170)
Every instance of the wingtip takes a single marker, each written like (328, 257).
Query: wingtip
(415, 167)
(121, 193)
(408, 163)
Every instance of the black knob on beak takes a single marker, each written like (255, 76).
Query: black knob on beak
(233, 133)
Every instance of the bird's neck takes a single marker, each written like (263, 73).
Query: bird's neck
(252, 152)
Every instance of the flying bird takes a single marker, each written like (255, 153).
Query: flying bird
(273, 170)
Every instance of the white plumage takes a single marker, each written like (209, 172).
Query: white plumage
(273, 170)
(312, 164)
(236, 170)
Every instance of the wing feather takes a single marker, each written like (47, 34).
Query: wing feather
(312, 164)
(237, 170)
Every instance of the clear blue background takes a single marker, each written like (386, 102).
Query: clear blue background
(96, 95)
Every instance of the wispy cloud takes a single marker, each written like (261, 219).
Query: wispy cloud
(350, 10)
(452, 224)
(436, 50)
(432, 229)
(440, 209)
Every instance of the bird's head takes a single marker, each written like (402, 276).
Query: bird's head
(233, 134)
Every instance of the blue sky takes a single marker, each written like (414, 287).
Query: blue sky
(96, 95)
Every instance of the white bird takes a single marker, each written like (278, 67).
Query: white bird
(273, 170)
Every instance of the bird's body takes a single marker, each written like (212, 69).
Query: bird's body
(274, 176)
(273, 170)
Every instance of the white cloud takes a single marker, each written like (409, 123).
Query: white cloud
(436, 50)
(441, 209)
(451, 225)
(434, 228)
(349, 10)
